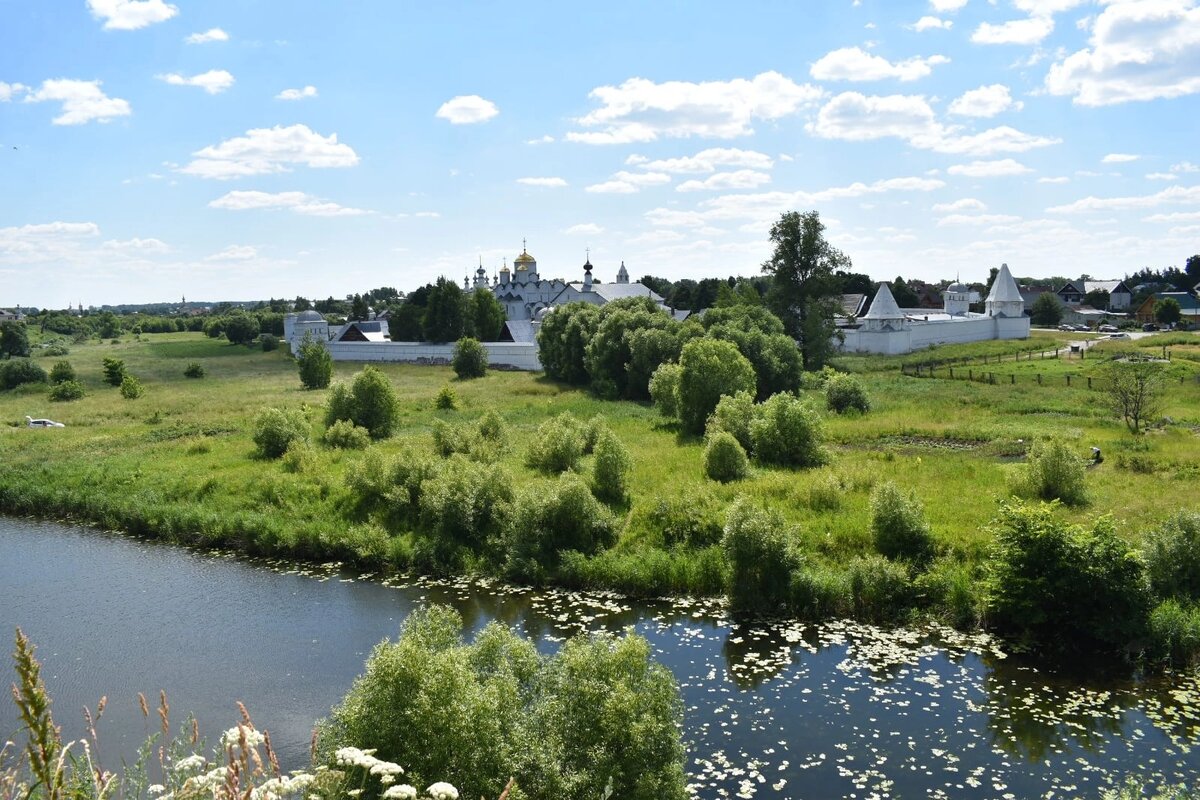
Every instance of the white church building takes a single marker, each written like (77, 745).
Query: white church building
(890, 330)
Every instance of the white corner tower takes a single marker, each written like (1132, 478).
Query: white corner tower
(1005, 298)
(622, 274)
(884, 314)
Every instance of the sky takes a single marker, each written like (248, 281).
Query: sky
(245, 149)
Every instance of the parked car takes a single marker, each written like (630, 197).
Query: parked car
(1083, 329)
(1107, 329)
(1066, 326)
(43, 423)
(1118, 336)
(1149, 326)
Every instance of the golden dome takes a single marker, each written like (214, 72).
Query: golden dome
(524, 258)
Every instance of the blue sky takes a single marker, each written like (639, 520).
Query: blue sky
(236, 150)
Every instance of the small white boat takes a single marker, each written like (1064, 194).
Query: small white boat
(42, 423)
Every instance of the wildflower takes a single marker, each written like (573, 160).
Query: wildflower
(401, 792)
(191, 762)
(387, 780)
(234, 736)
(354, 792)
(386, 768)
(442, 791)
(155, 788)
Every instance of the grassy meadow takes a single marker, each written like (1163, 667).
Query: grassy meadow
(179, 462)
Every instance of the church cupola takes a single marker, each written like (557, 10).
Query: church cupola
(587, 274)
(526, 265)
(504, 274)
(622, 274)
(481, 280)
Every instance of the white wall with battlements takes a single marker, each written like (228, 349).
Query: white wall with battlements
(503, 355)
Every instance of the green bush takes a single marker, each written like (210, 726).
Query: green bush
(733, 415)
(470, 358)
(788, 431)
(547, 522)
(611, 468)
(708, 370)
(114, 371)
(269, 342)
(492, 429)
(315, 363)
(449, 439)
(131, 388)
(557, 445)
(447, 399)
(898, 525)
(275, 429)
(664, 389)
(597, 719)
(694, 519)
(591, 432)
(724, 458)
(1055, 472)
(394, 482)
(881, 589)
(1175, 632)
(62, 371)
(67, 390)
(846, 393)
(345, 435)
(761, 558)
(19, 371)
(370, 402)
(1173, 558)
(1058, 587)
(194, 370)
(463, 509)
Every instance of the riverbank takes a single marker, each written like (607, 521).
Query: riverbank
(178, 463)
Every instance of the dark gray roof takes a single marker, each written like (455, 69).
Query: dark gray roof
(521, 330)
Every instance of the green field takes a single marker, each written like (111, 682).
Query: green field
(179, 462)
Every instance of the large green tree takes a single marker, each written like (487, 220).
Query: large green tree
(803, 266)
(904, 294)
(1168, 311)
(444, 314)
(14, 339)
(484, 316)
(1047, 310)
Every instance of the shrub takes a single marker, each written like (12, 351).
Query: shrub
(67, 390)
(788, 431)
(470, 358)
(131, 388)
(724, 458)
(315, 363)
(1175, 632)
(1173, 558)
(275, 429)
(62, 371)
(1059, 587)
(557, 445)
(463, 509)
(447, 399)
(1055, 472)
(450, 439)
(761, 558)
(241, 328)
(611, 468)
(55, 350)
(732, 415)
(693, 519)
(114, 371)
(881, 589)
(269, 342)
(193, 370)
(345, 435)
(492, 429)
(846, 393)
(591, 433)
(664, 389)
(545, 523)
(708, 370)
(18, 371)
(369, 402)
(898, 525)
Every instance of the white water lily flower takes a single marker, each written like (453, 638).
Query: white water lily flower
(401, 792)
(442, 791)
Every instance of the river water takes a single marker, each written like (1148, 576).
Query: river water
(772, 710)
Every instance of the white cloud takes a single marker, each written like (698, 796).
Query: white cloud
(629, 182)
(856, 64)
(965, 204)
(267, 150)
(990, 169)
(994, 140)
(705, 161)
(1017, 31)
(210, 35)
(1119, 158)
(976, 219)
(82, 101)
(129, 15)
(986, 101)
(72, 243)
(297, 94)
(235, 252)
(1047, 7)
(584, 229)
(1175, 216)
(1161, 176)
(1173, 194)
(1059, 179)
(10, 90)
(1138, 51)
(931, 23)
(641, 110)
(946, 6)
(724, 181)
(548, 183)
(546, 139)
(298, 202)
(136, 246)
(467, 110)
(214, 81)
(1185, 166)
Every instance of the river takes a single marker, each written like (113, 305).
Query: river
(772, 710)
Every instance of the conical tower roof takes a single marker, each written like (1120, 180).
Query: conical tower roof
(1004, 288)
(884, 305)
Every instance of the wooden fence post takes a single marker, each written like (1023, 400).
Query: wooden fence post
(1039, 379)
(1012, 379)
(1068, 381)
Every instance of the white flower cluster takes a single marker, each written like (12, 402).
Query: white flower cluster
(282, 786)
(442, 791)
(401, 792)
(353, 757)
(194, 761)
(234, 735)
